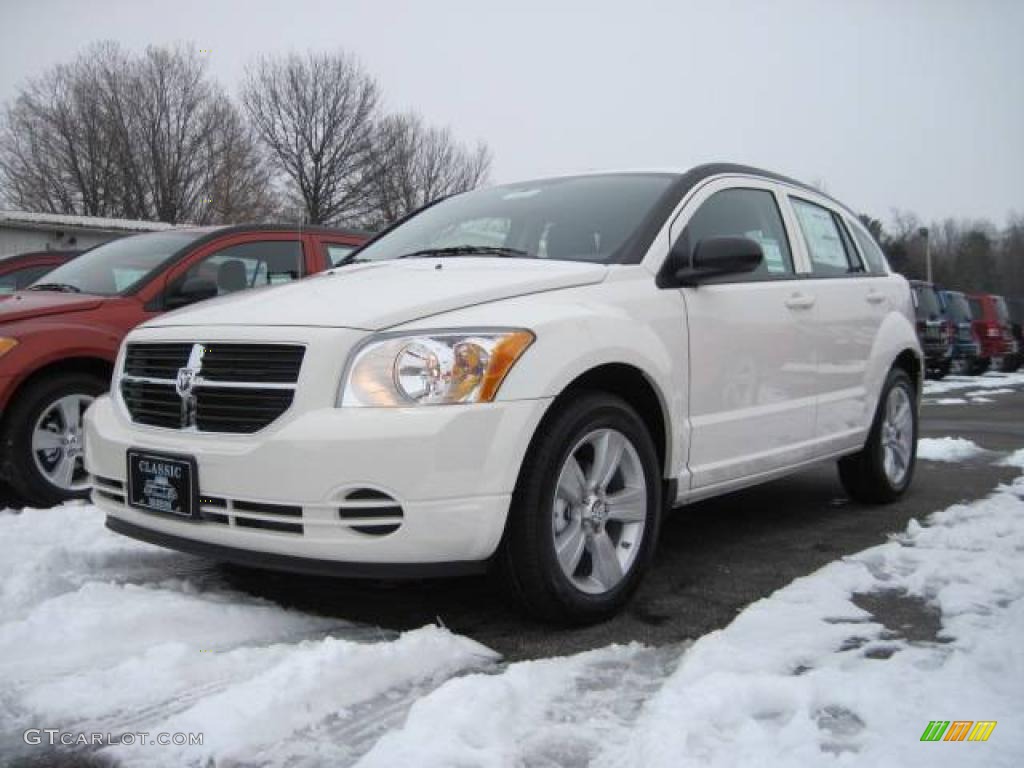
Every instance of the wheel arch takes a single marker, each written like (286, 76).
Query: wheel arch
(913, 364)
(90, 364)
(635, 387)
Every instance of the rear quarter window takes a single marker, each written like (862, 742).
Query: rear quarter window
(869, 250)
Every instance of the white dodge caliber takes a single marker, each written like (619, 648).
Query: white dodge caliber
(526, 376)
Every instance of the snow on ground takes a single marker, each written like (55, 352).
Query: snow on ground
(99, 633)
(1015, 459)
(947, 449)
(804, 677)
(843, 667)
(989, 384)
(948, 401)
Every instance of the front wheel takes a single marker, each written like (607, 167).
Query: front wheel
(42, 438)
(585, 513)
(882, 470)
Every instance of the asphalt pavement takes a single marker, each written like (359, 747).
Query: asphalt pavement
(714, 558)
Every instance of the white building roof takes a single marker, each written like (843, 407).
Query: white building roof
(66, 221)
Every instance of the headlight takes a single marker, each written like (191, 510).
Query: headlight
(432, 369)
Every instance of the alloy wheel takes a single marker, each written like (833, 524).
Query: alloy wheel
(599, 513)
(897, 435)
(57, 443)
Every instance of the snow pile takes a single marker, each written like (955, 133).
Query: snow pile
(1016, 459)
(99, 633)
(807, 673)
(990, 383)
(947, 449)
(804, 677)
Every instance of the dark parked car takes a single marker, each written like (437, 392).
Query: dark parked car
(932, 329)
(18, 272)
(59, 339)
(992, 322)
(967, 357)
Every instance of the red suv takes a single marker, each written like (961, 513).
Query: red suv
(60, 337)
(992, 325)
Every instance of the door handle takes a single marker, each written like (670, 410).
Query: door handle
(800, 301)
(875, 297)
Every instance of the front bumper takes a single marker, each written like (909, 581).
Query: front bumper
(450, 469)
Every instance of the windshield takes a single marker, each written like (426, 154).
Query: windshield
(928, 307)
(118, 266)
(959, 308)
(583, 218)
(1001, 310)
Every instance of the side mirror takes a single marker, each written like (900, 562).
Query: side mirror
(712, 257)
(192, 290)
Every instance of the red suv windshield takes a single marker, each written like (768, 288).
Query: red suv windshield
(117, 267)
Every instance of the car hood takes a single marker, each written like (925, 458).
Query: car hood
(384, 294)
(25, 305)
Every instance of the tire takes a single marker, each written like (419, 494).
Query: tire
(941, 371)
(40, 404)
(570, 439)
(1010, 364)
(868, 476)
(979, 366)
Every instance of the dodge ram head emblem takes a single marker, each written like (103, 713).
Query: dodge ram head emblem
(185, 383)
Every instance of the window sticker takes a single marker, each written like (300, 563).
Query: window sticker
(822, 236)
(773, 260)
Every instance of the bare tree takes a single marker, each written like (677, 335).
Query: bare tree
(316, 115)
(147, 137)
(56, 148)
(414, 164)
(238, 181)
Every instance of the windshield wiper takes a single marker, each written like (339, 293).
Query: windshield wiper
(470, 250)
(62, 287)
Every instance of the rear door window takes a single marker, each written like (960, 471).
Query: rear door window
(751, 213)
(827, 244)
(977, 310)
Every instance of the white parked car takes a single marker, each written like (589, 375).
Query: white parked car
(525, 376)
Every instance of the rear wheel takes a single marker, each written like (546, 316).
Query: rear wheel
(42, 438)
(883, 469)
(585, 513)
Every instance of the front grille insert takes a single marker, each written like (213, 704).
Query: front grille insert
(159, 361)
(227, 388)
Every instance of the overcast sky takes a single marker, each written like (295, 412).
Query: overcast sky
(892, 104)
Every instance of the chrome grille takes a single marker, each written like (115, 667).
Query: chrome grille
(234, 388)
